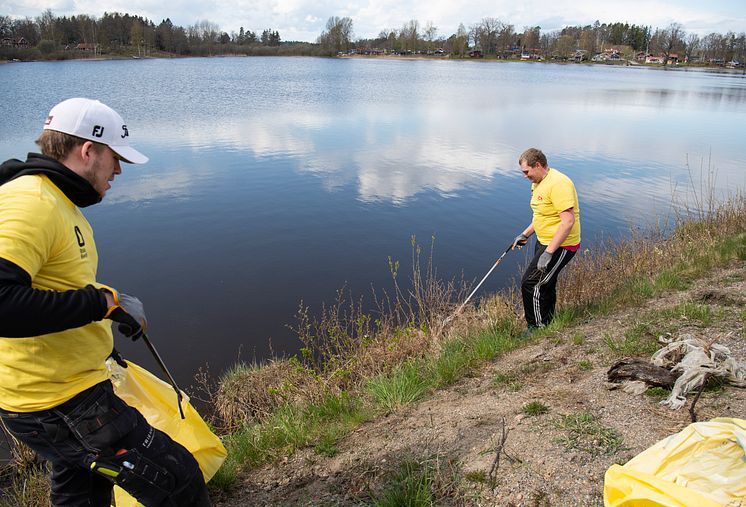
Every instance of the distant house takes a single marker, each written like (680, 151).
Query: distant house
(476, 53)
(580, 55)
(673, 59)
(655, 59)
(21, 42)
(87, 46)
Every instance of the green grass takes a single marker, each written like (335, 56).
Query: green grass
(585, 433)
(509, 380)
(535, 408)
(585, 365)
(403, 385)
(693, 313)
(477, 476)
(459, 357)
(287, 429)
(658, 392)
(638, 340)
(412, 487)
(669, 280)
(323, 424)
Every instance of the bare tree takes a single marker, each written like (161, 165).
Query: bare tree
(505, 38)
(490, 29)
(337, 35)
(672, 40)
(531, 37)
(410, 34)
(431, 31)
(692, 45)
(565, 46)
(460, 41)
(46, 23)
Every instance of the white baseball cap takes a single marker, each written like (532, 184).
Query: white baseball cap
(94, 121)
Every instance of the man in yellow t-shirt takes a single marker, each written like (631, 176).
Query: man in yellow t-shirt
(556, 222)
(55, 322)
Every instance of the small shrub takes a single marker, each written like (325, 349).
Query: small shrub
(535, 408)
(478, 476)
(658, 392)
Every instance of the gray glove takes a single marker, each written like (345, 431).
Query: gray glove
(519, 241)
(544, 259)
(129, 313)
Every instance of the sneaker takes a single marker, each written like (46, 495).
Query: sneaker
(528, 332)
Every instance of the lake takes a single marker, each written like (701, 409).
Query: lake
(273, 181)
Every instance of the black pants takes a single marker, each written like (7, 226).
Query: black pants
(95, 440)
(539, 289)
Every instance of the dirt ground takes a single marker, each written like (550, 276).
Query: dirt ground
(457, 430)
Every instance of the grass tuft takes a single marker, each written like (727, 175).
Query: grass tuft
(585, 433)
(535, 408)
(412, 486)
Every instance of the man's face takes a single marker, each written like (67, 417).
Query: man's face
(535, 173)
(103, 167)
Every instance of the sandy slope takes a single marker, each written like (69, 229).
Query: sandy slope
(457, 429)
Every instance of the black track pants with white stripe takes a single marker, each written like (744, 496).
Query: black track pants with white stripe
(539, 289)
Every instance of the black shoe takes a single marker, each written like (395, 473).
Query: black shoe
(528, 332)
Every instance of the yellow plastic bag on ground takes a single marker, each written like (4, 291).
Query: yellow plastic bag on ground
(156, 401)
(703, 465)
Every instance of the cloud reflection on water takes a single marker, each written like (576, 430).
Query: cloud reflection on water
(391, 155)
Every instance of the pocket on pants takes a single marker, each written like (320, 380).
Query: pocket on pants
(102, 420)
(147, 481)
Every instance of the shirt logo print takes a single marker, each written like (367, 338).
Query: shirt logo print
(81, 243)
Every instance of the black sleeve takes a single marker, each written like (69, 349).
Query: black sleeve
(25, 311)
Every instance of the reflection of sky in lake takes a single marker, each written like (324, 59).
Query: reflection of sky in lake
(275, 180)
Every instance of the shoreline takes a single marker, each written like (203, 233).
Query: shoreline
(390, 57)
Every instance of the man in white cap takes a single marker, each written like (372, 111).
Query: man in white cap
(55, 322)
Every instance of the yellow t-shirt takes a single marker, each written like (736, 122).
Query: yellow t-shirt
(44, 233)
(552, 195)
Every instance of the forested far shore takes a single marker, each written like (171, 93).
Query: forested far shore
(51, 37)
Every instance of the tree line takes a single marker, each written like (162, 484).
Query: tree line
(497, 38)
(51, 36)
(125, 33)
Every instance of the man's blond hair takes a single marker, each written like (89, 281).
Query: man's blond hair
(57, 145)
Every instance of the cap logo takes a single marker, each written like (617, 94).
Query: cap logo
(98, 131)
(49, 120)
(126, 132)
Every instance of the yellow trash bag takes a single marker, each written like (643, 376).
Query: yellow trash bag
(156, 401)
(704, 465)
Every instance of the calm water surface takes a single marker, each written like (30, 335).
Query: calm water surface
(276, 180)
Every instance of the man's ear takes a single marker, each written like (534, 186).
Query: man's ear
(85, 150)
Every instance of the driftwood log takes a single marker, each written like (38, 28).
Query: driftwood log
(631, 368)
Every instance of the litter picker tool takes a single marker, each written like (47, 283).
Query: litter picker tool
(165, 370)
(478, 285)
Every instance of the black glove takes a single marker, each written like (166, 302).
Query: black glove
(519, 241)
(129, 313)
(116, 356)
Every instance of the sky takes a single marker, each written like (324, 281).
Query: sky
(304, 20)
